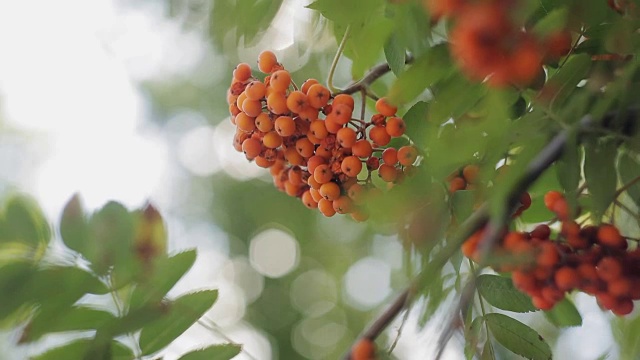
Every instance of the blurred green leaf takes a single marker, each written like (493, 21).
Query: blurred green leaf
(13, 277)
(244, 19)
(395, 54)
(625, 330)
(517, 337)
(417, 125)
(183, 312)
(431, 67)
(555, 20)
(500, 292)
(68, 319)
(79, 349)
(463, 202)
(454, 96)
(600, 173)
(24, 222)
(629, 169)
(560, 86)
(112, 238)
(472, 337)
(74, 227)
(165, 274)
(216, 352)
(564, 314)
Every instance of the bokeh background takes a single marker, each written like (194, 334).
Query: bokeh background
(126, 100)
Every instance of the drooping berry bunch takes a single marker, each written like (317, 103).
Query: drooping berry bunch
(311, 142)
(488, 42)
(592, 259)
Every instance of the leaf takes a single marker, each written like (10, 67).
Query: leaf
(454, 97)
(625, 332)
(555, 20)
(517, 337)
(569, 170)
(472, 337)
(112, 237)
(434, 65)
(564, 314)
(500, 292)
(79, 349)
(245, 19)
(166, 273)
(463, 202)
(564, 82)
(395, 54)
(24, 222)
(216, 352)
(183, 312)
(418, 128)
(13, 276)
(600, 173)
(74, 227)
(366, 42)
(71, 319)
(629, 169)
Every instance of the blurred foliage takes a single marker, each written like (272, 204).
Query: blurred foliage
(113, 253)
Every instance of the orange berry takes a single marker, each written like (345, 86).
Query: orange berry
(293, 157)
(255, 90)
(267, 60)
(407, 155)
(318, 96)
(342, 113)
(551, 197)
(313, 162)
(277, 103)
(319, 129)
(548, 256)
(272, 140)
(245, 122)
(525, 62)
(470, 173)
(541, 303)
(620, 287)
(362, 148)
(356, 192)
(291, 189)
(395, 126)
(252, 108)
(308, 113)
(343, 99)
(326, 207)
(606, 300)
(557, 44)
(315, 194)
(609, 268)
(285, 126)
(280, 80)
(322, 174)
(570, 228)
(364, 349)
(330, 191)
(541, 232)
(346, 137)
(308, 200)
(561, 209)
(390, 156)
(251, 148)
(379, 136)
(385, 108)
(343, 205)
(622, 307)
(567, 278)
(332, 124)
(242, 72)
(609, 235)
(307, 84)
(457, 183)
(305, 147)
(263, 122)
(263, 162)
(297, 101)
(351, 166)
(359, 215)
(387, 172)
(523, 281)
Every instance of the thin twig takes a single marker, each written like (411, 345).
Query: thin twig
(336, 58)
(374, 74)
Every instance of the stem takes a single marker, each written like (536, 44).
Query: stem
(626, 186)
(482, 309)
(374, 74)
(213, 327)
(336, 58)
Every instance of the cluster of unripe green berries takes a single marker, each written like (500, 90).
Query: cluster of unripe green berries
(592, 259)
(308, 138)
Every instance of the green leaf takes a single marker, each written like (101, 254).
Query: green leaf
(366, 42)
(500, 292)
(564, 82)
(13, 276)
(564, 314)
(216, 352)
(454, 97)
(517, 337)
(625, 332)
(183, 312)
(395, 54)
(472, 337)
(79, 349)
(433, 66)
(245, 19)
(165, 274)
(418, 128)
(24, 222)
(629, 169)
(112, 237)
(463, 203)
(555, 20)
(569, 170)
(74, 227)
(600, 173)
(70, 319)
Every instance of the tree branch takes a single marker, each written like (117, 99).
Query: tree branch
(374, 74)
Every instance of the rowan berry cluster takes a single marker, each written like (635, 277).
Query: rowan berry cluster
(463, 178)
(308, 138)
(488, 43)
(592, 259)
